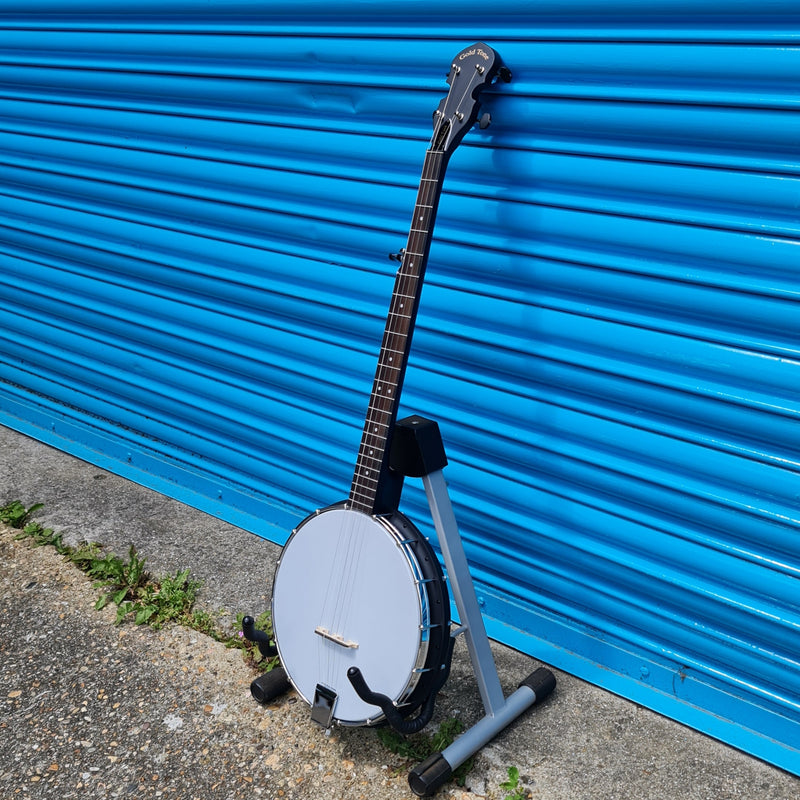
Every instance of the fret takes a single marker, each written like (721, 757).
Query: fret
(391, 342)
(373, 425)
(385, 388)
(365, 490)
(373, 443)
(384, 400)
(368, 451)
(391, 350)
(394, 325)
(367, 475)
(376, 409)
(365, 485)
(390, 372)
(370, 463)
(368, 482)
(374, 460)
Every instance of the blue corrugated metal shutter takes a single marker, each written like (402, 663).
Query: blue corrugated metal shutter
(197, 200)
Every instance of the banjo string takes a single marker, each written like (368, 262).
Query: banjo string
(407, 287)
(337, 612)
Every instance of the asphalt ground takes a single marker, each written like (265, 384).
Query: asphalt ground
(89, 709)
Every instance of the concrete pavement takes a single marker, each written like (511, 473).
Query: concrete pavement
(88, 709)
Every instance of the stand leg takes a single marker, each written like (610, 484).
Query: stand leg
(463, 591)
(500, 712)
(435, 771)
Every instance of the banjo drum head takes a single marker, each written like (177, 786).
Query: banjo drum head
(347, 592)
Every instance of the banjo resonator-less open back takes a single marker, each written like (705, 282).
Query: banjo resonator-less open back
(360, 607)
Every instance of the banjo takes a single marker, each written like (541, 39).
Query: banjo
(360, 607)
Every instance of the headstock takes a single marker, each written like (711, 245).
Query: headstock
(472, 70)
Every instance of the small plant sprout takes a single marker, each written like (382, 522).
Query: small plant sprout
(513, 786)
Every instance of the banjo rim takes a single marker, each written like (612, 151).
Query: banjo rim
(431, 587)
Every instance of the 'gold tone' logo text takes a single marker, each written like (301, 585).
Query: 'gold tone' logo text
(474, 51)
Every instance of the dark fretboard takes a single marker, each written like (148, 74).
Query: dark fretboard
(375, 488)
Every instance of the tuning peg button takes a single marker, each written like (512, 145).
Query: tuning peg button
(486, 121)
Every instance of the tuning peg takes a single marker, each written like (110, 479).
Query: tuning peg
(486, 121)
(398, 256)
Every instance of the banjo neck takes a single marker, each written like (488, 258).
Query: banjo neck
(376, 488)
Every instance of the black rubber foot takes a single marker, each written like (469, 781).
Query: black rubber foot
(542, 681)
(270, 685)
(432, 773)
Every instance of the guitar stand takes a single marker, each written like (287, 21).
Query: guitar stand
(418, 451)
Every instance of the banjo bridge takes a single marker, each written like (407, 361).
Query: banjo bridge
(336, 638)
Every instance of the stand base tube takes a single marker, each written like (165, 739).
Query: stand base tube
(426, 778)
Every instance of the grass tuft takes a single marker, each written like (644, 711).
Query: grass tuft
(419, 746)
(127, 584)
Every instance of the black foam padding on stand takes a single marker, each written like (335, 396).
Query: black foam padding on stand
(541, 681)
(432, 773)
(270, 685)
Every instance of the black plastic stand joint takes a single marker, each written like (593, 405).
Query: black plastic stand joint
(393, 716)
(273, 683)
(417, 447)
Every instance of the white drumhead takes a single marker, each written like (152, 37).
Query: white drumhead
(343, 572)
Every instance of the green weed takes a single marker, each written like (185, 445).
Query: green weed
(127, 584)
(16, 515)
(516, 791)
(419, 746)
(152, 602)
